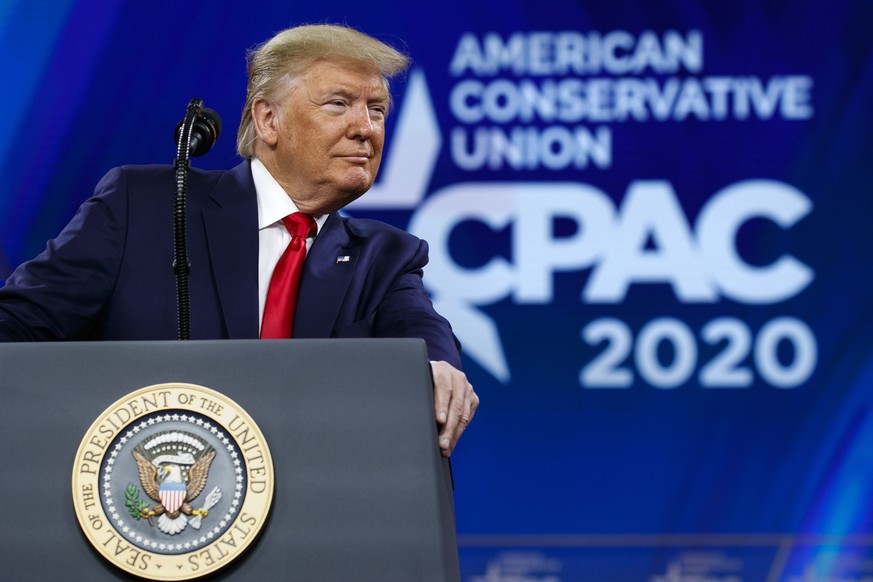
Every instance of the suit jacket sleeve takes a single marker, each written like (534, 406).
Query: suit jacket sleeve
(60, 294)
(375, 291)
(407, 311)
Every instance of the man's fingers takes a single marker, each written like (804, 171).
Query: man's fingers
(455, 403)
(451, 433)
(452, 429)
(442, 393)
(453, 413)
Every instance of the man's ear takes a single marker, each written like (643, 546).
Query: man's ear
(266, 121)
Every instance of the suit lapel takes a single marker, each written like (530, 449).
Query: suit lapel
(231, 225)
(327, 273)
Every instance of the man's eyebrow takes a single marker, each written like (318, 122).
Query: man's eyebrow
(338, 92)
(351, 94)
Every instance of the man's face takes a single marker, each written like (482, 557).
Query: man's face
(327, 137)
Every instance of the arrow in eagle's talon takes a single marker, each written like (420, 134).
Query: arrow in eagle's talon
(211, 500)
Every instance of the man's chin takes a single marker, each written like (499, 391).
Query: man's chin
(355, 187)
(340, 200)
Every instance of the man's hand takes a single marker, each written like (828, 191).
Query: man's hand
(455, 404)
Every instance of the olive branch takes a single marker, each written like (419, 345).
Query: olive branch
(135, 505)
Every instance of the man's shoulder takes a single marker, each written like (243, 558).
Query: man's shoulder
(161, 180)
(148, 173)
(368, 228)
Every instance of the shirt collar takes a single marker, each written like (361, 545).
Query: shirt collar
(274, 204)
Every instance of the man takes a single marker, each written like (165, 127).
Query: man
(312, 132)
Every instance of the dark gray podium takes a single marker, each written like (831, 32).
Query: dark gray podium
(361, 491)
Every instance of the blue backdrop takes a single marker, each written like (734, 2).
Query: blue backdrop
(650, 225)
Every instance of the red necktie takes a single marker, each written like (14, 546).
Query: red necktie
(282, 294)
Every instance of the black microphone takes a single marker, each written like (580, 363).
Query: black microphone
(204, 132)
(200, 128)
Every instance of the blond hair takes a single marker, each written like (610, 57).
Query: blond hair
(274, 64)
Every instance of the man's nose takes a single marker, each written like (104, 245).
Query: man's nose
(361, 125)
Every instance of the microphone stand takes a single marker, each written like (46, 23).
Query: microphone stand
(181, 264)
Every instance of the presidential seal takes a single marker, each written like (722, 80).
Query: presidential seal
(172, 482)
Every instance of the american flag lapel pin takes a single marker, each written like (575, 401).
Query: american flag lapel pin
(343, 259)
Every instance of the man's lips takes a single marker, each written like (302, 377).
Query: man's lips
(364, 155)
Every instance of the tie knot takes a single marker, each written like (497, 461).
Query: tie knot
(299, 224)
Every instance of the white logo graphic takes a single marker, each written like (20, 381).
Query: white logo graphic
(699, 261)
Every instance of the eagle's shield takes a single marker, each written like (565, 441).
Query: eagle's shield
(172, 496)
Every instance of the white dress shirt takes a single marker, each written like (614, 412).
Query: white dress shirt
(274, 204)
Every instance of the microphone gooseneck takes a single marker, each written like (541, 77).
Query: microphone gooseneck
(195, 135)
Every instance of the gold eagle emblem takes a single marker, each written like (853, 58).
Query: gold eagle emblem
(173, 478)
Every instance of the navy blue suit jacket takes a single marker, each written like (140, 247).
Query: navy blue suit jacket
(109, 275)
